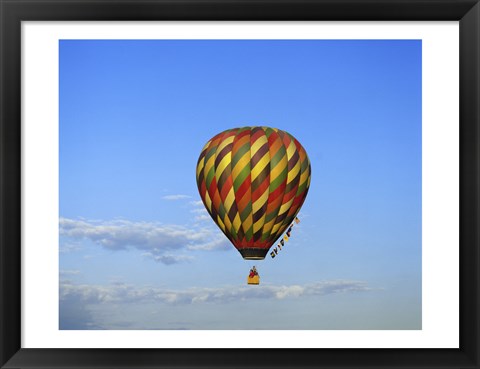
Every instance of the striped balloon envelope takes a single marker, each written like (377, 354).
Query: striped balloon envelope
(253, 181)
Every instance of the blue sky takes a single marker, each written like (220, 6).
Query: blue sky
(137, 248)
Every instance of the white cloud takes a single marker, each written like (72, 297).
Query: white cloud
(197, 203)
(200, 212)
(124, 293)
(175, 197)
(168, 259)
(214, 244)
(164, 243)
(66, 247)
(203, 217)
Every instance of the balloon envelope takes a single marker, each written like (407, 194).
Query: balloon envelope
(253, 181)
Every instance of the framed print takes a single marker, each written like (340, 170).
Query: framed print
(239, 184)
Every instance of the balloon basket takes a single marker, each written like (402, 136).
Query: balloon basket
(253, 280)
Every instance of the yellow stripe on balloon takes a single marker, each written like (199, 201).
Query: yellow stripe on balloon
(279, 168)
(291, 150)
(292, 174)
(228, 224)
(304, 177)
(223, 164)
(237, 222)
(200, 165)
(209, 164)
(220, 223)
(260, 166)
(229, 199)
(285, 207)
(258, 225)
(269, 226)
(241, 164)
(257, 205)
(262, 140)
(247, 223)
(225, 142)
(228, 205)
(208, 202)
(276, 227)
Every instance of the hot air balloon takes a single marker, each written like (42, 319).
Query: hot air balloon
(253, 181)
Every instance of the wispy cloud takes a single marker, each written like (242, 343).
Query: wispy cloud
(125, 293)
(197, 203)
(200, 212)
(65, 272)
(168, 259)
(176, 197)
(67, 247)
(203, 217)
(214, 244)
(167, 244)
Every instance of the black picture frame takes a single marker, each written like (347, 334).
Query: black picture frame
(13, 12)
